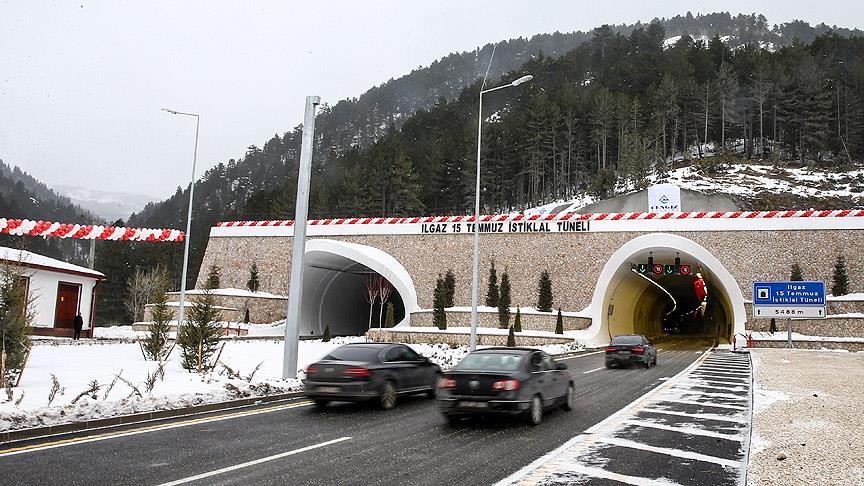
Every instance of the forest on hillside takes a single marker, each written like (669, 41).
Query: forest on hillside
(605, 109)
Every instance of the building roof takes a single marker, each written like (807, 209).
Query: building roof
(29, 259)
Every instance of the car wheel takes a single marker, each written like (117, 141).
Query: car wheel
(570, 398)
(535, 411)
(608, 366)
(648, 363)
(387, 400)
(655, 360)
(452, 419)
(321, 403)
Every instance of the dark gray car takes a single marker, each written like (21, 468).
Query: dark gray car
(505, 381)
(370, 371)
(631, 349)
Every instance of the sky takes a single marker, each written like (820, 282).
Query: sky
(82, 82)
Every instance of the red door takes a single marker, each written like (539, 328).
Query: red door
(67, 305)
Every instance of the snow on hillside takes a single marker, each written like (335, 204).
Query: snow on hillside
(746, 181)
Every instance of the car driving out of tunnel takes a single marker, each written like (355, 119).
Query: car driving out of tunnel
(370, 371)
(631, 349)
(505, 381)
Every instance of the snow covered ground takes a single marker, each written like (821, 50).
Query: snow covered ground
(75, 364)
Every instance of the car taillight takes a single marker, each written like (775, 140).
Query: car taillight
(638, 349)
(506, 385)
(311, 370)
(611, 350)
(357, 372)
(446, 383)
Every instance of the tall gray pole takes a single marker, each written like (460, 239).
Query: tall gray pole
(476, 258)
(187, 236)
(292, 317)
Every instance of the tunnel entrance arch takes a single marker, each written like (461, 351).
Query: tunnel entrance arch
(334, 280)
(625, 302)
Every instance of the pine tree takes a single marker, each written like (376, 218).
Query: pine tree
(213, 278)
(544, 292)
(326, 336)
(389, 321)
(199, 336)
(449, 288)
(841, 280)
(492, 291)
(156, 343)
(253, 284)
(504, 301)
(796, 275)
(559, 323)
(439, 316)
(511, 338)
(16, 316)
(517, 321)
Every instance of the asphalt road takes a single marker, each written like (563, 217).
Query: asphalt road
(411, 444)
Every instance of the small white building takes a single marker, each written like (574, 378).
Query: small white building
(58, 291)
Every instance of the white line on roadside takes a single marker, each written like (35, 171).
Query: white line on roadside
(721, 377)
(690, 391)
(706, 416)
(255, 462)
(727, 365)
(596, 472)
(704, 404)
(728, 371)
(579, 355)
(704, 384)
(667, 451)
(144, 430)
(592, 371)
(683, 430)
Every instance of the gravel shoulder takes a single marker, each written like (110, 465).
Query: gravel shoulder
(808, 408)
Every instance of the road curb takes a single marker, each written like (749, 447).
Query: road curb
(68, 428)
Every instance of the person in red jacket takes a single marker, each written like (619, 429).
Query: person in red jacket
(701, 292)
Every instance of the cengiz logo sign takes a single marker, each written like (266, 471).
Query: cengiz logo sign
(664, 197)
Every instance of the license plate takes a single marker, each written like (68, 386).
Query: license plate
(623, 352)
(473, 404)
(328, 389)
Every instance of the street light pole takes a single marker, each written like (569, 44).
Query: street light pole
(476, 257)
(295, 285)
(180, 311)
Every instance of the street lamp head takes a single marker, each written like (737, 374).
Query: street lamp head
(169, 111)
(523, 79)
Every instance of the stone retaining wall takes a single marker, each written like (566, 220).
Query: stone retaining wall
(842, 326)
(460, 339)
(533, 322)
(261, 310)
(855, 347)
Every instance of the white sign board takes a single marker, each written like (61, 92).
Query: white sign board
(800, 312)
(664, 198)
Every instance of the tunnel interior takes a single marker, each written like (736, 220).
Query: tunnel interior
(334, 295)
(642, 301)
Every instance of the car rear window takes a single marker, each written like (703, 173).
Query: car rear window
(627, 340)
(354, 353)
(490, 362)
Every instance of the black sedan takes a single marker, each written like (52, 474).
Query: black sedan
(631, 349)
(370, 371)
(505, 381)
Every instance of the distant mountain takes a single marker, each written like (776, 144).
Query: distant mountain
(24, 197)
(109, 205)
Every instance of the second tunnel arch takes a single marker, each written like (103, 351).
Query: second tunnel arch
(616, 273)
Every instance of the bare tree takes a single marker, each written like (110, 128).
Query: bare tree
(371, 286)
(384, 291)
(140, 289)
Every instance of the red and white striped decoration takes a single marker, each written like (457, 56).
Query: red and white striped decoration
(21, 227)
(845, 213)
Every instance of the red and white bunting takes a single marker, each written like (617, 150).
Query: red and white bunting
(837, 213)
(29, 227)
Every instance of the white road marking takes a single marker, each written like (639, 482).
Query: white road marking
(707, 416)
(683, 430)
(580, 355)
(255, 462)
(704, 404)
(596, 472)
(732, 369)
(143, 430)
(704, 384)
(592, 371)
(722, 377)
(669, 452)
(713, 395)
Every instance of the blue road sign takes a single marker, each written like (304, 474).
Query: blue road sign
(797, 294)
